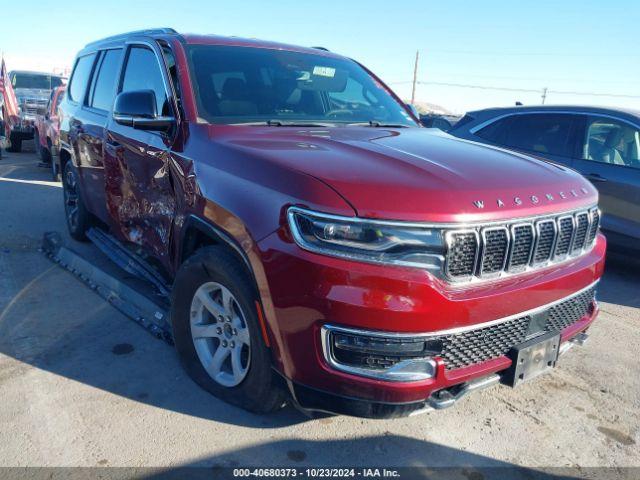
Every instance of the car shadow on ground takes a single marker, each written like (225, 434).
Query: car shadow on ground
(419, 459)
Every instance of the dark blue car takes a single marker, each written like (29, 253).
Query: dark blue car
(601, 143)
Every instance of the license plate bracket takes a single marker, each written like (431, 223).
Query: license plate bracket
(532, 358)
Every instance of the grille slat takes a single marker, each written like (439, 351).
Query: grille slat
(462, 254)
(565, 234)
(475, 346)
(513, 248)
(595, 224)
(546, 239)
(582, 228)
(495, 245)
(522, 240)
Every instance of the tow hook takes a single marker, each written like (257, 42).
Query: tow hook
(580, 339)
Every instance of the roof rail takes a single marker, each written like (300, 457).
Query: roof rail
(120, 36)
(322, 48)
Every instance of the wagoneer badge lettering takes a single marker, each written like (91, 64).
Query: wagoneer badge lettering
(534, 198)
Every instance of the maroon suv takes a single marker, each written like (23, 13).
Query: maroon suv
(319, 242)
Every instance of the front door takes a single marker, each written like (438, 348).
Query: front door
(140, 197)
(611, 161)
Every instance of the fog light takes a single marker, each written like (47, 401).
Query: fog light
(394, 357)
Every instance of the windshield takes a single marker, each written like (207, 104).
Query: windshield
(247, 85)
(35, 81)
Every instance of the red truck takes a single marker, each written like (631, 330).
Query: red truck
(321, 245)
(46, 133)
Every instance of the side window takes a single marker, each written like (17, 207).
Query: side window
(172, 68)
(541, 133)
(80, 77)
(496, 132)
(143, 73)
(613, 142)
(103, 90)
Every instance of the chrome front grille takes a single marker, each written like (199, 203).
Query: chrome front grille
(495, 250)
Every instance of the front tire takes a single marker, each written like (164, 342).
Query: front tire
(78, 217)
(217, 332)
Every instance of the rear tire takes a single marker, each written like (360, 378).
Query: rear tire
(42, 152)
(78, 217)
(16, 144)
(55, 170)
(211, 345)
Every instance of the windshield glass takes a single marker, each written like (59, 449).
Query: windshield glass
(36, 81)
(246, 85)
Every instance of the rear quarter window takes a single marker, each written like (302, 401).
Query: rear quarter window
(80, 78)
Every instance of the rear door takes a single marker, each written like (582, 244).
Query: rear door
(79, 121)
(610, 159)
(89, 123)
(140, 196)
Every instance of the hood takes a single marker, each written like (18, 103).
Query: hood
(414, 174)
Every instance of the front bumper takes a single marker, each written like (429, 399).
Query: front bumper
(312, 400)
(24, 129)
(308, 291)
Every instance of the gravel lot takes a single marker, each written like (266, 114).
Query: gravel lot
(72, 395)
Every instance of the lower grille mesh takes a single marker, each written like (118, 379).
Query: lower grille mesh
(475, 346)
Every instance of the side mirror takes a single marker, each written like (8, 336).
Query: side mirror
(137, 109)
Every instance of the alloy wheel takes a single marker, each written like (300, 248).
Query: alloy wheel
(71, 198)
(220, 334)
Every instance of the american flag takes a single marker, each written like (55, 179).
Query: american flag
(10, 105)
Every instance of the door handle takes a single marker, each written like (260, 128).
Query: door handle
(595, 177)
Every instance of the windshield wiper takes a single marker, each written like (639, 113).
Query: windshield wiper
(280, 123)
(376, 124)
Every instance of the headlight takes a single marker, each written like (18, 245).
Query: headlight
(374, 241)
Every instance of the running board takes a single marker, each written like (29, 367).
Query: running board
(152, 316)
(126, 260)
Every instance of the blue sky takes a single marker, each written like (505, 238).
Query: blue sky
(569, 45)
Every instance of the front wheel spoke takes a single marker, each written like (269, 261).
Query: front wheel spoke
(218, 359)
(200, 330)
(243, 336)
(227, 302)
(236, 363)
(213, 308)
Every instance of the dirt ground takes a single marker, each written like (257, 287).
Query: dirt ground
(72, 395)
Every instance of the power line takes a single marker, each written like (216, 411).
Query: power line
(530, 54)
(524, 90)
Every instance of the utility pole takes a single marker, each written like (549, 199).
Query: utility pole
(544, 94)
(415, 78)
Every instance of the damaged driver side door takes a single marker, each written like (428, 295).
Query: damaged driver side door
(139, 191)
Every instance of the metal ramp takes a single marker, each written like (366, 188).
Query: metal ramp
(146, 305)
